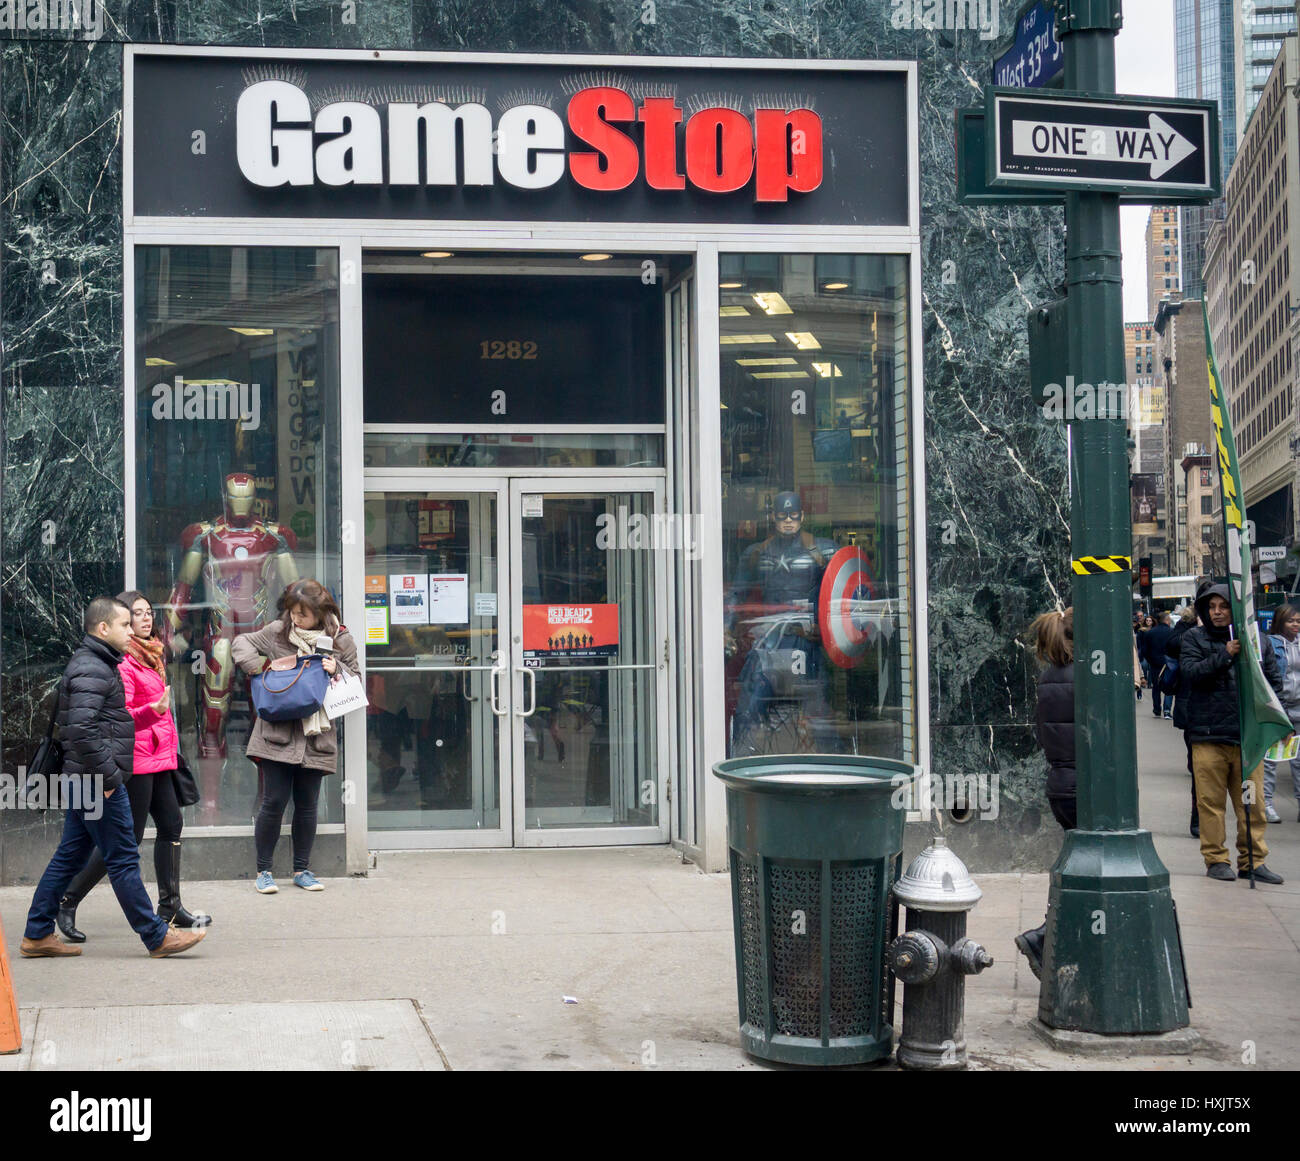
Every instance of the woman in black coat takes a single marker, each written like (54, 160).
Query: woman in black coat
(1054, 717)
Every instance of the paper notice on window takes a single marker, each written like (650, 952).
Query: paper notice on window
(485, 604)
(449, 598)
(376, 610)
(409, 598)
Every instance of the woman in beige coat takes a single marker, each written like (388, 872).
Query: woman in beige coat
(294, 755)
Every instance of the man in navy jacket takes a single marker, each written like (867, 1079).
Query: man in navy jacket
(98, 737)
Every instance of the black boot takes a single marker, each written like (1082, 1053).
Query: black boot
(167, 865)
(1030, 944)
(67, 920)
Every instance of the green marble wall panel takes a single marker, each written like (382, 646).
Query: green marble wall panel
(997, 521)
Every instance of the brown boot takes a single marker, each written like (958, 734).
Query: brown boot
(177, 941)
(50, 945)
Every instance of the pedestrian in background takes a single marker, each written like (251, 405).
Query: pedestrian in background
(98, 737)
(1157, 641)
(1210, 656)
(151, 788)
(1285, 640)
(1173, 661)
(294, 755)
(1053, 635)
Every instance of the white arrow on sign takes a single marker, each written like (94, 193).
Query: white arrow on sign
(1159, 144)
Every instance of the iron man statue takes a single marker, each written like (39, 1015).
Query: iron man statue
(244, 563)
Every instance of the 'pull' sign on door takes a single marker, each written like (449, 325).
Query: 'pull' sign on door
(1127, 145)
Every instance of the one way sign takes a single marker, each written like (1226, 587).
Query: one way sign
(1076, 141)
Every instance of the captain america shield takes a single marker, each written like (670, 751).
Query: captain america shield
(847, 583)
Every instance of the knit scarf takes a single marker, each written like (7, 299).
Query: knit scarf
(305, 642)
(149, 652)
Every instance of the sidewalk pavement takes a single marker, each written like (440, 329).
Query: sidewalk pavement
(592, 959)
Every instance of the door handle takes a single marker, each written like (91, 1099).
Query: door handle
(532, 678)
(495, 685)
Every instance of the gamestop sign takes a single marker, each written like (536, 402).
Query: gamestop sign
(435, 143)
(456, 138)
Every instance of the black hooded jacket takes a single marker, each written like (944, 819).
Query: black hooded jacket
(95, 727)
(1210, 673)
(1055, 721)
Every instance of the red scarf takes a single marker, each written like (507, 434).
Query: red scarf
(149, 652)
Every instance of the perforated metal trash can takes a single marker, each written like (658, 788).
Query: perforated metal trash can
(816, 844)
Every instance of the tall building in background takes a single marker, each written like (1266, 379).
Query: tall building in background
(1180, 353)
(1145, 377)
(1205, 69)
(1251, 286)
(1259, 28)
(1164, 276)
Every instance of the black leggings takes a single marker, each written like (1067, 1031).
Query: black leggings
(280, 781)
(149, 794)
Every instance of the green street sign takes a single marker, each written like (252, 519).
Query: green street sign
(1158, 149)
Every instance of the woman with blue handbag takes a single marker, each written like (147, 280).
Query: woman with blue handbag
(295, 752)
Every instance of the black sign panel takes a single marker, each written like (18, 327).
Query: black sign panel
(1082, 142)
(453, 349)
(322, 125)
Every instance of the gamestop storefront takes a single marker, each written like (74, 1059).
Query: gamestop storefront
(589, 385)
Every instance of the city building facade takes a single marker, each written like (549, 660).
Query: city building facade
(1205, 69)
(1252, 287)
(518, 325)
(1180, 350)
(1146, 404)
(1163, 260)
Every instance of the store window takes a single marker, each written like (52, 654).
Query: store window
(237, 475)
(816, 517)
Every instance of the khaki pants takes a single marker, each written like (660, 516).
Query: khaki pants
(1217, 769)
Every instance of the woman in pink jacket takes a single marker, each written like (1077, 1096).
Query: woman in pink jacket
(151, 788)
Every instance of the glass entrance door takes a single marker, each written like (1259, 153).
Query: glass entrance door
(515, 661)
(436, 620)
(588, 655)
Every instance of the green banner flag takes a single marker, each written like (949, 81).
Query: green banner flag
(1263, 720)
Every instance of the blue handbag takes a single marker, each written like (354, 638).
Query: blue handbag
(289, 695)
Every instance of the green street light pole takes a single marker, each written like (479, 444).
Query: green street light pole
(1112, 961)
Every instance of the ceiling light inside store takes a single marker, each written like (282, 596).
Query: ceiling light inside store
(828, 370)
(780, 374)
(252, 330)
(597, 257)
(733, 340)
(835, 286)
(804, 340)
(782, 361)
(773, 303)
(730, 285)
(732, 312)
(158, 361)
(437, 254)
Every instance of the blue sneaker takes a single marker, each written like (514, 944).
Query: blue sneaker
(308, 882)
(265, 883)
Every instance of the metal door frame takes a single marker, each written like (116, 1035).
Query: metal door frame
(595, 835)
(439, 481)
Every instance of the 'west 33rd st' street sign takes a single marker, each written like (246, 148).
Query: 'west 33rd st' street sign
(1101, 144)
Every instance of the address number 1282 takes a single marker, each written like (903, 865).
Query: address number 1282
(507, 349)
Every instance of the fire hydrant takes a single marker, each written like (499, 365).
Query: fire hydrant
(933, 956)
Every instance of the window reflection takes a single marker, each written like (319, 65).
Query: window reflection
(815, 523)
(237, 475)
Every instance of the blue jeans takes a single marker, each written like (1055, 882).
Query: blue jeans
(114, 834)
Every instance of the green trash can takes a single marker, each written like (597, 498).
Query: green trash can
(816, 844)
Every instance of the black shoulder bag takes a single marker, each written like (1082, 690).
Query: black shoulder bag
(46, 764)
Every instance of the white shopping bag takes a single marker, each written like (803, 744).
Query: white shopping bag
(345, 694)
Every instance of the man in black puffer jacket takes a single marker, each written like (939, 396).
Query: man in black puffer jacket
(1210, 657)
(98, 737)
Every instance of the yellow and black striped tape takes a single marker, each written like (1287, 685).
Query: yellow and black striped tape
(1087, 565)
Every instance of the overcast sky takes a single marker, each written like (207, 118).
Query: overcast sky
(1144, 64)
